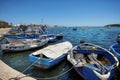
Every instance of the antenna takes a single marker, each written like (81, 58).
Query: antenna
(41, 20)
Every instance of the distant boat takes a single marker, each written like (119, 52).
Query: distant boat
(115, 48)
(75, 29)
(22, 46)
(51, 55)
(93, 62)
(59, 36)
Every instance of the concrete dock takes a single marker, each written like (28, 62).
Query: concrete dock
(8, 73)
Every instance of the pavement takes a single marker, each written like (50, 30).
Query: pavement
(8, 73)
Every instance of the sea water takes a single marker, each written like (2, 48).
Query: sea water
(102, 36)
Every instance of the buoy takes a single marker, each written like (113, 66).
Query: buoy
(94, 48)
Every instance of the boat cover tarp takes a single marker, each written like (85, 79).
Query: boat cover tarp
(55, 51)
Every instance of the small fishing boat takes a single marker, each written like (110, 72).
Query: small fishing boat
(115, 48)
(51, 37)
(59, 36)
(23, 37)
(75, 29)
(28, 34)
(22, 46)
(92, 62)
(31, 33)
(51, 55)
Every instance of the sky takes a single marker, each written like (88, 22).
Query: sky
(61, 12)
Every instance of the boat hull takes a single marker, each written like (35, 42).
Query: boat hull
(22, 37)
(115, 49)
(23, 47)
(51, 55)
(88, 74)
(46, 63)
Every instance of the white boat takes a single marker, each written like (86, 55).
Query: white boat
(51, 55)
(22, 46)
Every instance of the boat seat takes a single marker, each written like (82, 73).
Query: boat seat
(89, 51)
(79, 58)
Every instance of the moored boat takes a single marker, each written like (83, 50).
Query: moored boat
(31, 33)
(22, 46)
(93, 62)
(51, 55)
(115, 48)
(59, 36)
(51, 37)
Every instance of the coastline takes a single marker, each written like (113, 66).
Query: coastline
(6, 72)
(3, 31)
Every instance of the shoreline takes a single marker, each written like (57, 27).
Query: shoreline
(6, 72)
(3, 31)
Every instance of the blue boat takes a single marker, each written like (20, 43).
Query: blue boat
(51, 55)
(31, 33)
(23, 37)
(93, 62)
(51, 38)
(75, 29)
(115, 48)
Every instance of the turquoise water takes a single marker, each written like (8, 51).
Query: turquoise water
(97, 35)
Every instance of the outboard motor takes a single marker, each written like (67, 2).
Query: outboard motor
(118, 38)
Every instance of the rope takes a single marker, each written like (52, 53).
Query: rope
(18, 78)
(56, 75)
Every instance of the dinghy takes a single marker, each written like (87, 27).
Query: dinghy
(22, 46)
(92, 62)
(51, 55)
(115, 48)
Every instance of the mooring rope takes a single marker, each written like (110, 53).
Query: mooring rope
(118, 68)
(18, 78)
(56, 75)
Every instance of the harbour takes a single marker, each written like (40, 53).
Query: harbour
(98, 35)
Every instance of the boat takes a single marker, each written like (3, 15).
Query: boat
(51, 37)
(93, 62)
(31, 33)
(23, 37)
(24, 34)
(51, 55)
(115, 48)
(22, 46)
(59, 36)
(74, 28)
